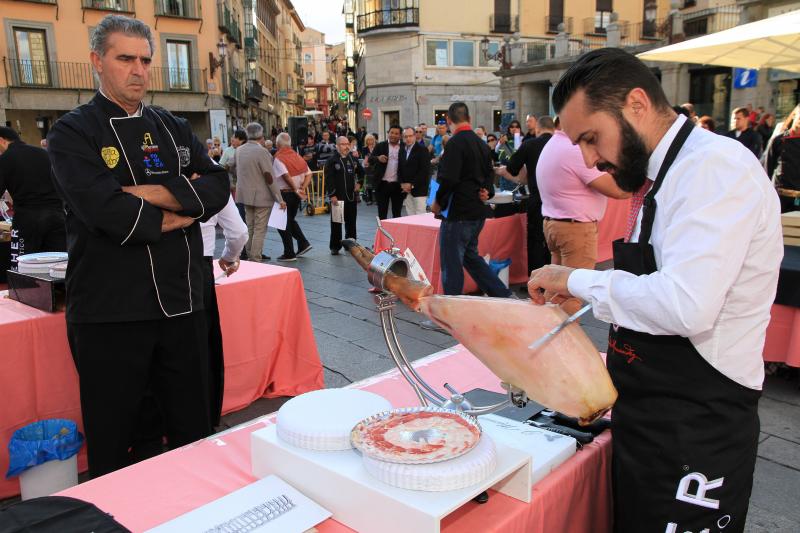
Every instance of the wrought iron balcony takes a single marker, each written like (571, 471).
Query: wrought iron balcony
(232, 86)
(48, 74)
(254, 90)
(251, 46)
(183, 80)
(120, 6)
(187, 9)
(49, 2)
(551, 23)
(228, 23)
(503, 23)
(389, 18)
(591, 27)
(24, 73)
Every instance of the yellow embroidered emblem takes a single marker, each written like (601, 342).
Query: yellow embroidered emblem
(110, 156)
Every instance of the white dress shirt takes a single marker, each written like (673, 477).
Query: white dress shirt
(233, 228)
(718, 246)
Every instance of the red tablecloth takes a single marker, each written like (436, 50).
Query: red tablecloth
(267, 339)
(576, 497)
(502, 238)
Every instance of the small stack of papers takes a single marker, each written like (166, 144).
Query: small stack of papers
(791, 228)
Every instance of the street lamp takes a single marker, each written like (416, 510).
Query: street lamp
(214, 62)
(502, 55)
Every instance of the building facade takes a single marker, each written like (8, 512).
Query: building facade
(315, 72)
(555, 38)
(337, 75)
(217, 63)
(291, 96)
(413, 58)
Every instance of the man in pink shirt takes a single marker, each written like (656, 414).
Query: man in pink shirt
(573, 201)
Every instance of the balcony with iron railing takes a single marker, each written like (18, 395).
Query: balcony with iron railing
(647, 32)
(228, 23)
(186, 9)
(711, 20)
(383, 19)
(120, 6)
(592, 27)
(22, 73)
(503, 23)
(232, 86)
(48, 2)
(254, 90)
(252, 49)
(551, 23)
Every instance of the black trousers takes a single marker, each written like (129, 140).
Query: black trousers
(350, 212)
(216, 360)
(40, 230)
(389, 192)
(116, 364)
(292, 230)
(538, 254)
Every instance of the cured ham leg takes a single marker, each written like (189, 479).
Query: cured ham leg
(566, 374)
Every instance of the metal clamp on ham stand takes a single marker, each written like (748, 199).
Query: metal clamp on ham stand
(391, 261)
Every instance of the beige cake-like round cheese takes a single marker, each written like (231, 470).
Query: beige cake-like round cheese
(464, 471)
(322, 419)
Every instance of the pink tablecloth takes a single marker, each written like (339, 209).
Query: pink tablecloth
(501, 238)
(575, 497)
(783, 336)
(267, 339)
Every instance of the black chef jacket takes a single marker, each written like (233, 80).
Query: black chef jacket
(121, 267)
(25, 173)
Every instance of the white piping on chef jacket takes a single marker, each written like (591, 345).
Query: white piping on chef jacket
(149, 253)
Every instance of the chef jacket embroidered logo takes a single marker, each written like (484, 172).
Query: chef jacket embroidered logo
(110, 155)
(147, 146)
(184, 156)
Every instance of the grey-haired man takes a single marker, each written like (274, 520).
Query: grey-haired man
(255, 188)
(135, 315)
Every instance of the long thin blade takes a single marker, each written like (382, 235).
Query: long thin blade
(553, 332)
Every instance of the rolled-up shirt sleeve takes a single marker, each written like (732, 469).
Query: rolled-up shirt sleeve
(205, 196)
(234, 229)
(708, 218)
(92, 192)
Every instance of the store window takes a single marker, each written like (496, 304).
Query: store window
(436, 54)
(463, 54)
(493, 49)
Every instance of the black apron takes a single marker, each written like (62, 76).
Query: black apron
(685, 435)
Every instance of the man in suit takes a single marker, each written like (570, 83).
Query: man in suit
(386, 161)
(414, 172)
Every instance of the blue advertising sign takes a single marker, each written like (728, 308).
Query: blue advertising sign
(744, 78)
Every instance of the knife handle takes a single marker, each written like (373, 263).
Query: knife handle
(580, 436)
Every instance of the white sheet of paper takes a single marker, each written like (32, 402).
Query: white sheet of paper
(337, 212)
(227, 510)
(416, 270)
(277, 218)
(517, 140)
